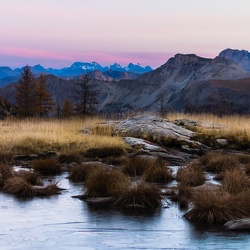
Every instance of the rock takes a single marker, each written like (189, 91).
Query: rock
(187, 123)
(152, 149)
(207, 186)
(100, 201)
(154, 129)
(241, 225)
(222, 142)
(187, 149)
(49, 154)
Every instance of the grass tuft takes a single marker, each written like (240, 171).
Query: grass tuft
(49, 190)
(32, 178)
(69, 158)
(219, 162)
(79, 173)
(47, 166)
(137, 166)
(140, 196)
(105, 152)
(105, 182)
(191, 176)
(215, 207)
(5, 173)
(19, 188)
(158, 173)
(235, 181)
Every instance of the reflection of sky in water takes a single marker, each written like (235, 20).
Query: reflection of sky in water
(66, 222)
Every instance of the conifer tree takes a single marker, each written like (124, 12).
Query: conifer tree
(44, 101)
(25, 95)
(86, 96)
(67, 109)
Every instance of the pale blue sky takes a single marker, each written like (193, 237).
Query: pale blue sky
(59, 32)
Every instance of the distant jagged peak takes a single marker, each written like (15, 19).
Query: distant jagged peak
(230, 52)
(241, 57)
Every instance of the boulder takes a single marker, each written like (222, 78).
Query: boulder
(222, 142)
(152, 149)
(241, 225)
(157, 129)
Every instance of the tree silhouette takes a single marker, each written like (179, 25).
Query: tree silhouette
(25, 95)
(67, 109)
(44, 101)
(86, 96)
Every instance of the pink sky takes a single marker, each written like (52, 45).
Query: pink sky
(59, 32)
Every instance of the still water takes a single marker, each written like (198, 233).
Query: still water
(63, 222)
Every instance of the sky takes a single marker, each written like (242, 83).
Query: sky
(56, 33)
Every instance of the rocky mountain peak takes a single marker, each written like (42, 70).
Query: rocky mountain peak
(241, 57)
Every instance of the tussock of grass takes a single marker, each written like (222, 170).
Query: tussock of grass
(137, 165)
(49, 190)
(79, 173)
(105, 182)
(158, 173)
(47, 166)
(235, 181)
(216, 207)
(117, 161)
(140, 196)
(5, 173)
(30, 177)
(244, 158)
(19, 188)
(105, 152)
(70, 158)
(191, 176)
(247, 169)
(5, 157)
(218, 162)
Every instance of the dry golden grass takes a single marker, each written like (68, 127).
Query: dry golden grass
(217, 207)
(65, 136)
(235, 181)
(232, 127)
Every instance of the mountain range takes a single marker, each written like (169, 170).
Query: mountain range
(114, 72)
(185, 83)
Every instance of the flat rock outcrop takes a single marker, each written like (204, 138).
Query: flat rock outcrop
(156, 129)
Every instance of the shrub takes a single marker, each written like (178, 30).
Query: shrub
(105, 182)
(80, 172)
(51, 189)
(30, 177)
(105, 152)
(140, 196)
(47, 166)
(19, 188)
(137, 165)
(218, 162)
(235, 181)
(69, 158)
(191, 176)
(215, 207)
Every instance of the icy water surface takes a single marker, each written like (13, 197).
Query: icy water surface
(62, 222)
